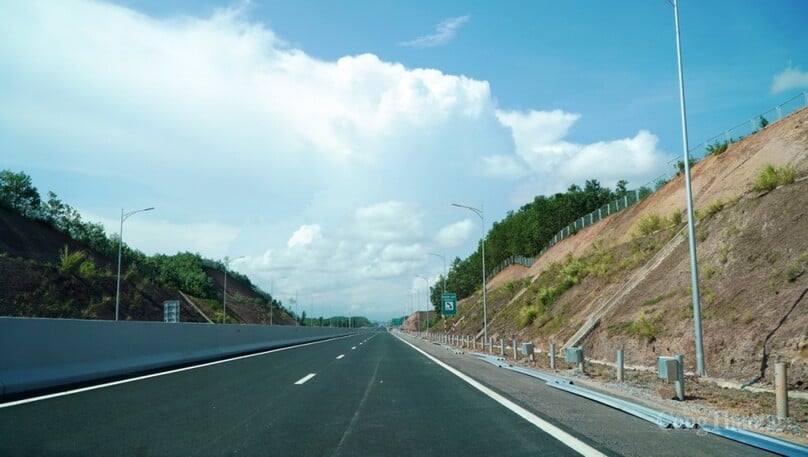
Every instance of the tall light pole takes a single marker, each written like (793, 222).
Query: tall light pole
(481, 213)
(124, 216)
(691, 231)
(427, 300)
(442, 256)
(226, 262)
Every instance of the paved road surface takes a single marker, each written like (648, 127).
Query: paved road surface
(364, 395)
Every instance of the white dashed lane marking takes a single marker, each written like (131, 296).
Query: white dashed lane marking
(305, 378)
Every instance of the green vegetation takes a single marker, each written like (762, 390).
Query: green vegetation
(675, 218)
(647, 329)
(763, 122)
(526, 232)
(793, 272)
(680, 166)
(69, 261)
(641, 328)
(717, 148)
(527, 315)
(712, 209)
(770, 177)
(659, 298)
(649, 224)
(723, 254)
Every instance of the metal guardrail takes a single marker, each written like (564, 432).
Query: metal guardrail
(759, 441)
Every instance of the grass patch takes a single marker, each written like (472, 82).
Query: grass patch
(527, 315)
(770, 177)
(708, 271)
(723, 254)
(717, 148)
(675, 218)
(649, 224)
(659, 298)
(793, 272)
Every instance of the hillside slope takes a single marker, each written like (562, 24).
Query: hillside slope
(45, 273)
(753, 254)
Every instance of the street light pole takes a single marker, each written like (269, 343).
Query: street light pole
(427, 300)
(691, 231)
(226, 262)
(124, 216)
(481, 213)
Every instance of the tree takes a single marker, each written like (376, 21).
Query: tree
(18, 193)
(763, 122)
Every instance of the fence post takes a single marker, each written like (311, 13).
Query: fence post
(515, 353)
(502, 347)
(781, 389)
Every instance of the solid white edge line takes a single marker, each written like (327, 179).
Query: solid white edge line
(155, 375)
(305, 378)
(567, 439)
(340, 356)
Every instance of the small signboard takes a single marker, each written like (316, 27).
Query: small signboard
(171, 311)
(449, 304)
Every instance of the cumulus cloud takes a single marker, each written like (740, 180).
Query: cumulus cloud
(240, 140)
(455, 234)
(444, 34)
(790, 78)
(305, 235)
(389, 221)
(549, 162)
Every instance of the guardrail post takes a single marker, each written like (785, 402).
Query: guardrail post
(781, 389)
(552, 356)
(619, 365)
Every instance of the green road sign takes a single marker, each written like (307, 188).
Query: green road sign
(449, 307)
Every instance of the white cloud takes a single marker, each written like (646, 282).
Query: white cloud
(455, 234)
(790, 78)
(553, 163)
(444, 33)
(152, 233)
(305, 235)
(389, 221)
(240, 140)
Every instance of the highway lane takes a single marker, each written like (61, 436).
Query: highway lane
(370, 394)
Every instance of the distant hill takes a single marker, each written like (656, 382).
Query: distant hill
(46, 273)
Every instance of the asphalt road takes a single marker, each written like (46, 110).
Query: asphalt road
(364, 395)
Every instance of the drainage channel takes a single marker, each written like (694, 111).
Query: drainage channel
(660, 418)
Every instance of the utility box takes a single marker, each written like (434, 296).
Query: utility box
(574, 355)
(668, 369)
(527, 348)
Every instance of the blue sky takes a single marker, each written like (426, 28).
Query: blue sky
(324, 141)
